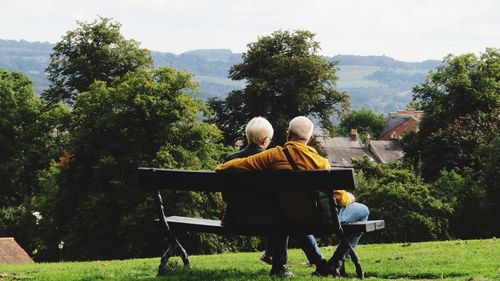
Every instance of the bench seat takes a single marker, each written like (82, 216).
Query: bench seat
(214, 226)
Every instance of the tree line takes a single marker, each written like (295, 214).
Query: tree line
(68, 158)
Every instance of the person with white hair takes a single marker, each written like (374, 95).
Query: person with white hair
(258, 132)
(294, 208)
(239, 206)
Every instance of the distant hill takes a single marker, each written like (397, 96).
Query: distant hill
(30, 58)
(380, 83)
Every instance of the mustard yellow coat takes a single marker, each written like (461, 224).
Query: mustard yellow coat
(306, 158)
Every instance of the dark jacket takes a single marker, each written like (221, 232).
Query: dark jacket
(251, 149)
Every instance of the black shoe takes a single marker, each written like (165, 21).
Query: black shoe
(281, 272)
(267, 259)
(322, 269)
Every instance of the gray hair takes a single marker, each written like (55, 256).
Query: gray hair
(257, 129)
(302, 127)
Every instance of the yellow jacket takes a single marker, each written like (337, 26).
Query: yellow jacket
(306, 158)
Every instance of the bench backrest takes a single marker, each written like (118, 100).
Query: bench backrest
(153, 179)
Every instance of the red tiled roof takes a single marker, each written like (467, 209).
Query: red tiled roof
(11, 252)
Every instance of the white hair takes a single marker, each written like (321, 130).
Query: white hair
(302, 127)
(257, 129)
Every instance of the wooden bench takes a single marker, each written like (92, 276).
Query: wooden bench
(155, 180)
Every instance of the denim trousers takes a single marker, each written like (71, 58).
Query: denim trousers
(279, 243)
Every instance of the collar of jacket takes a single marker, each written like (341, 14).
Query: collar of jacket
(295, 143)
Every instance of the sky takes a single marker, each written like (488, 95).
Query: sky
(406, 30)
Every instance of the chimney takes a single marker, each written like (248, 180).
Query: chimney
(354, 135)
(367, 141)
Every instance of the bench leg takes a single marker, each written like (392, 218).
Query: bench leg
(338, 267)
(174, 249)
(357, 263)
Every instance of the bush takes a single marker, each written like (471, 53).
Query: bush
(469, 201)
(406, 204)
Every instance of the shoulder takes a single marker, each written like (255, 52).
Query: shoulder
(323, 162)
(247, 151)
(271, 153)
(232, 156)
(320, 161)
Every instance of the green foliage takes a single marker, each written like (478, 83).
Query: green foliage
(93, 52)
(490, 180)
(285, 78)
(474, 196)
(461, 101)
(395, 195)
(468, 200)
(145, 118)
(455, 146)
(447, 261)
(364, 120)
(457, 138)
(29, 140)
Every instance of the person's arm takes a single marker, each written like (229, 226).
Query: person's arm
(342, 197)
(256, 162)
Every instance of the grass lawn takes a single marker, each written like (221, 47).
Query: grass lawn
(471, 260)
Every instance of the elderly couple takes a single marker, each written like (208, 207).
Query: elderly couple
(255, 157)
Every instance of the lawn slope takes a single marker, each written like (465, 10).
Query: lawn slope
(449, 260)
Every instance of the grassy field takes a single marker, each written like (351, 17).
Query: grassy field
(472, 260)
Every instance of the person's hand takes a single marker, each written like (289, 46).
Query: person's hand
(353, 199)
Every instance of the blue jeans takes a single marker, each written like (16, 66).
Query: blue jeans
(306, 242)
(350, 213)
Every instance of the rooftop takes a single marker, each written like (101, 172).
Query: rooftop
(11, 252)
(386, 151)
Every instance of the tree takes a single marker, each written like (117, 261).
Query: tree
(285, 78)
(460, 100)
(93, 52)
(473, 194)
(397, 196)
(364, 120)
(490, 180)
(468, 200)
(148, 117)
(28, 143)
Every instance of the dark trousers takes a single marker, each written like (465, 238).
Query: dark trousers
(278, 245)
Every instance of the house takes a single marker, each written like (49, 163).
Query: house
(342, 150)
(401, 123)
(11, 252)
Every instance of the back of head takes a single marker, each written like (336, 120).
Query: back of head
(302, 127)
(257, 129)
